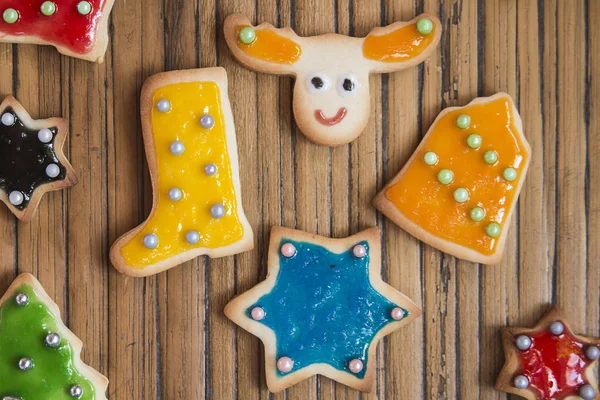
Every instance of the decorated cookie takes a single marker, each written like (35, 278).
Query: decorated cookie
(39, 355)
(331, 94)
(460, 187)
(77, 28)
(322, 308)
(191, 149)
(31, 158)
(549, 361)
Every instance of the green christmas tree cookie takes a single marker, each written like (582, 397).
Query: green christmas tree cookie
(39, 355)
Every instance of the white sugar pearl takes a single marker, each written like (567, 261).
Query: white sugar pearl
(192, 237)
(175, 194)
(45, 135)
(16, 198)
(592, 352)
(163, 105)
(207, 121)
(177, 148)
(523, 342)
(557, 328)
(521, 382)
(8, 119)
(210, 169)
(52, 170)
(587, 392)
(151, 241)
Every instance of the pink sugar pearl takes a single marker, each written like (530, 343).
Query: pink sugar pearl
(258, 313)
(397, 313)
(355, 365)
(288, 250)
(285, 364)
(359, 251)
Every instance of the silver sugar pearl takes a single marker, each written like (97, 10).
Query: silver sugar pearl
(175, 194)
(8, 119)
(163, 105)
(217, 211)
(587, 392)
(22, 299)
(177, 148)
(207, 121)
(592, 352)
(76, 391)
(557, 328)
(523, 342)
(53, 340)
(16, 198)
(25, 364)
(52, 170)
(521, 382)
(150, 241)
(45, 135)
(210, 169)
(192, 237)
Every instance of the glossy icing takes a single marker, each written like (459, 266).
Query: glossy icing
(323, 308)
(24, 159)
(270, 46)
(402, 44)
(22, 333)
(66, 27)
(423, 200)
(554, 365)
(172, 220)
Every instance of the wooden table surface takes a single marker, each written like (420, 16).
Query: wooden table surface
(165, 337)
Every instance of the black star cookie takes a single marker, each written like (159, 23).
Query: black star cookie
(322, 308)
(549, 361)
(31, 158)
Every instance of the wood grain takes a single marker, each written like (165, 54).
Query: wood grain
(165, 337)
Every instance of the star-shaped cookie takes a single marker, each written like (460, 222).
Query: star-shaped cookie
(549, 361)
(31, 158)
(322, 308)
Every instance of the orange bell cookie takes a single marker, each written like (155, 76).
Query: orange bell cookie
(191, 149)
(459, 189)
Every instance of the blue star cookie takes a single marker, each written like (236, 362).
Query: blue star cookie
(322, 308)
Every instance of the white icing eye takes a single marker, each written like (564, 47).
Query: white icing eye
(317, 83)
(348, 85)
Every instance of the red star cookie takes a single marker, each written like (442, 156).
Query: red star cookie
(549, 361)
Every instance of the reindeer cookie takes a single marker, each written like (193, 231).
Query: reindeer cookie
(331, 94)
(191, 149)
(459, 189)
(77, 28)
(322, 309)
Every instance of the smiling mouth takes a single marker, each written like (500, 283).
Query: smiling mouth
(319, 116)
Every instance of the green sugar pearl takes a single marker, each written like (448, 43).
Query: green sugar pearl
(461, 195)
(48, 8)
(424, 26)
(430, 158)
(477, 214)
(247, 35)
(445, 176)
(463, 121)
(490, 157)
(510, 174)
(492, 229)
(474, 141)
(10, 15)
(84, 7)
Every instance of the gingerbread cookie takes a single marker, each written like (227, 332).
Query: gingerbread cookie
(39, 355)
(31, 158)
(190, 144)
(331, 94)
(460, 187)
(77, 28)
(322, 308)
(549, 361)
